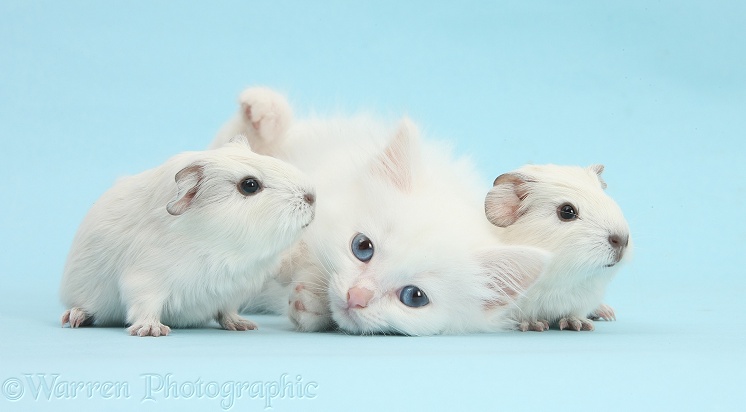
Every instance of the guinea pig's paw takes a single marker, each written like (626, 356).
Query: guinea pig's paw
(603, 312)
(76, 317)
(232, 321)
(149, 328)
(533, 325)
(575, 323)
(267, 111)
(308, 311)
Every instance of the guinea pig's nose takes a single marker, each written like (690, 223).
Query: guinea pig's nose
(618, 242)
(309, 198)
(358, 297)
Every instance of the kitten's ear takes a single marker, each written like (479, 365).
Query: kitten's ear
(509, 271)
(503, 202)
(397, 161)
(188, 181)
(598, 169)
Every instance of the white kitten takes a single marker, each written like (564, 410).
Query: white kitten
(400, 242)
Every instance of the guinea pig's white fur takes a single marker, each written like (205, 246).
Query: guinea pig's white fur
(587, 249)
(421, 210)
(181, 244)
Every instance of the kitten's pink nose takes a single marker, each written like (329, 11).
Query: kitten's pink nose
(358, 297)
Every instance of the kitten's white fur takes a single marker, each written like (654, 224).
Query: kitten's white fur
(422, 210)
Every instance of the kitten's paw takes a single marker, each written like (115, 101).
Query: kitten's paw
(533, 325)
(575, 323)
(149, 328)
(604, 312)
(267, 112)
(76, 317)
(235, 322)
(308, 311)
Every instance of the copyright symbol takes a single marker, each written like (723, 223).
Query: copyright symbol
(12, 389)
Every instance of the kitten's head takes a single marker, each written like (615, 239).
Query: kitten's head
(410, 251)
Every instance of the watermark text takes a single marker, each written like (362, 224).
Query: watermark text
(158, 387)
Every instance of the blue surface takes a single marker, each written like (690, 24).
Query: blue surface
(654, 90)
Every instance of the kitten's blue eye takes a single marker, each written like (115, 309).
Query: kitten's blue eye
(362, 247)
(413, 297)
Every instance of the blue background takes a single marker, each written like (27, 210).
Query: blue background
(655, 90)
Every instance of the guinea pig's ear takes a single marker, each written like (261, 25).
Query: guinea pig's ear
(398, 160)
(503, 202)
(241, 139)
(598, 169)
(188, 181)
(510, 270)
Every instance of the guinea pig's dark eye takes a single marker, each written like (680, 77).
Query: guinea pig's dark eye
(567, 212)
(249, 186)
(362, 247)
(413, 297)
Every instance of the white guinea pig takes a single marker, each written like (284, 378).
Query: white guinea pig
(185, 242)
(564, 210)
